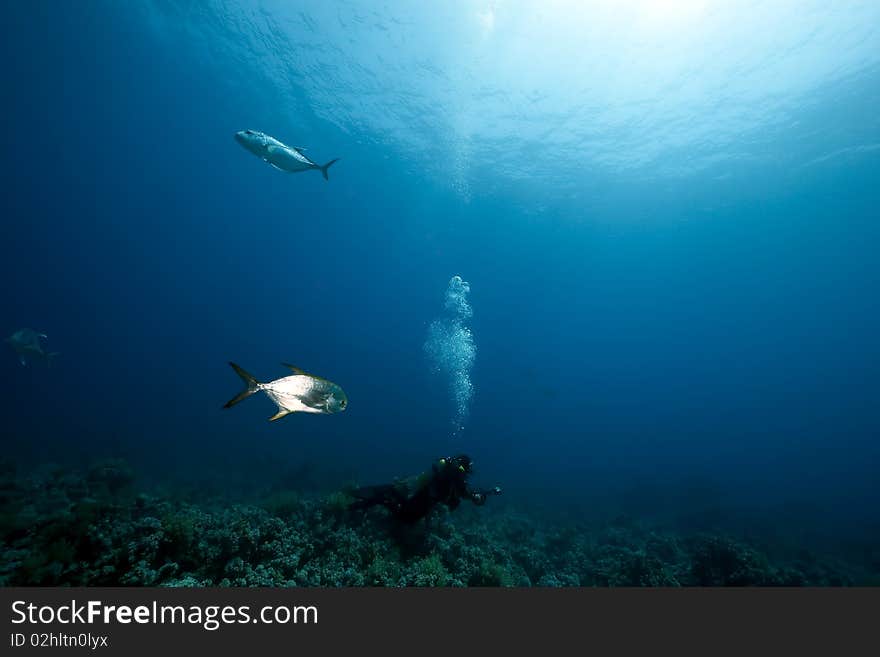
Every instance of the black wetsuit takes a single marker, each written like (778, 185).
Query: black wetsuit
(409, 502)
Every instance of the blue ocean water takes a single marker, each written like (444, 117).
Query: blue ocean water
(666, 213)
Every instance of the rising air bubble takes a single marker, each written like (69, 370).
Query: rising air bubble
(451, 350)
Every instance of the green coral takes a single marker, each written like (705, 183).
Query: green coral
(60, 527)
(430, 571)
(490, 573)
(383, 572)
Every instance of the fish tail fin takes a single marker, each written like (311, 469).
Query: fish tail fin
(250, 383)
(327, 166)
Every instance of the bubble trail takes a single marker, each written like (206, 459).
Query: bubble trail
(451, 350)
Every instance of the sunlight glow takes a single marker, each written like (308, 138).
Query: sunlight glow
(670, 14)
(526, 92)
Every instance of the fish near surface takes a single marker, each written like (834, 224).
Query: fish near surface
(281, 156)
(298, 393)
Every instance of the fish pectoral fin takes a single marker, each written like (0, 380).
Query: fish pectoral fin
(280, 414)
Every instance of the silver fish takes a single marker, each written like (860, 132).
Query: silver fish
(279, 155)
(299, 393)
(26, 343)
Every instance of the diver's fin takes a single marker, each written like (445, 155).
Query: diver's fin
(280, 414)
(327, 166)
(251, 386)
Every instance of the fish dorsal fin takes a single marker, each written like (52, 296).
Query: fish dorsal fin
(300, 148)
(296, 370)
(280, 414)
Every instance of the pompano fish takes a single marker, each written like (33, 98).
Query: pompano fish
(26, 343)
(299, 393)
(279, 155)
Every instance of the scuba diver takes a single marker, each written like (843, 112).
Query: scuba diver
(411, 499)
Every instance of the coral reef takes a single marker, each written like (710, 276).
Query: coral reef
(59, 527)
